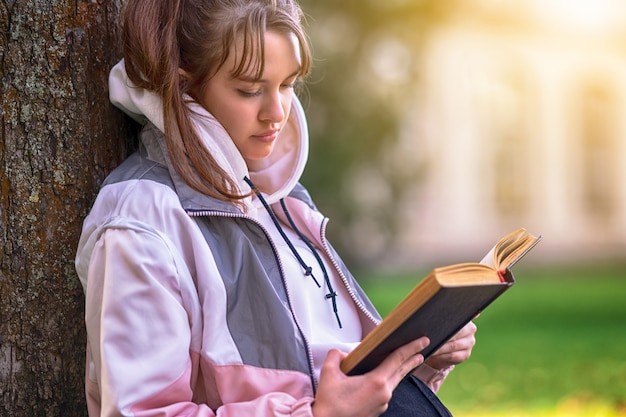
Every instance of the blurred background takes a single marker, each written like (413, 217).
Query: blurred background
(438, 127)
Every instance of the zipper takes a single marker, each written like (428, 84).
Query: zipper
(330, 256)
(215, 213)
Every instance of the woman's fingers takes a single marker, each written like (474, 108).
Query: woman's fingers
(403, 360)
(456, 350)
(364, 395)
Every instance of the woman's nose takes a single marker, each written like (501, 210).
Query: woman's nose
(273, 109)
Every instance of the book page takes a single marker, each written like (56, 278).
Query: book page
(512, 247)
(466, 274)
(502, 249)
(489, 258)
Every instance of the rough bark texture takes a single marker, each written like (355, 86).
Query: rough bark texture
(59, 138)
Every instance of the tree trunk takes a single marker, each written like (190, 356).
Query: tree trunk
(60, 137)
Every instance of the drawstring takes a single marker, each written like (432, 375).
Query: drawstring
(331, 292)
(308, 271)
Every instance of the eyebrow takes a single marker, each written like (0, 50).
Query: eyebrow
(252, 79)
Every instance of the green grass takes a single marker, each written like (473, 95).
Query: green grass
(555, 341)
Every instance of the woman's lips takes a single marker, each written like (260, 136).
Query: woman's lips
(268, 136)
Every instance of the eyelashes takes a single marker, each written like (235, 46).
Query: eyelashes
(256, 93)
(249, 94)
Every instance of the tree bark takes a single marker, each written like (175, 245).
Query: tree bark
(59, 138)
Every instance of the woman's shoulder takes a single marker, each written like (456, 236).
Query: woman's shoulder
(139, 166)
(142, 198)
(301, 193)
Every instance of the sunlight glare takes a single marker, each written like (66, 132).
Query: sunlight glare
(585, 15)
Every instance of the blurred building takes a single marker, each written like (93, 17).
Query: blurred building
(520, 121)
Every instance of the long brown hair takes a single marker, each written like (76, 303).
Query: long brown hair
(163, 37)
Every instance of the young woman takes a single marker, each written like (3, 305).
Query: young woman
(210, 287)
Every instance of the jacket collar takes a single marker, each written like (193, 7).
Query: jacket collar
(153, 148)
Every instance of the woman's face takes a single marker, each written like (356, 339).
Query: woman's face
(252, 110)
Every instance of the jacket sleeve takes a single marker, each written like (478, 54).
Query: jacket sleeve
(432, 377)
(139, 324)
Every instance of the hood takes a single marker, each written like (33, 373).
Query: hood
(275, 176)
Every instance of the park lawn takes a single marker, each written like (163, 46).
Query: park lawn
(553, 345)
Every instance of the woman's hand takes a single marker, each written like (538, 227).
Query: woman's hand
(367, 395)
(456, 350)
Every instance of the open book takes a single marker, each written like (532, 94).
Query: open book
(442, 303)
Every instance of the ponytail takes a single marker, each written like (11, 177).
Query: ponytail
(152, 57)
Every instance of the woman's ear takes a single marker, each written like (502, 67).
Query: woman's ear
(183, 76)
(184, 81)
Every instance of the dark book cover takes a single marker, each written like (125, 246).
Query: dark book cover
(439, 318)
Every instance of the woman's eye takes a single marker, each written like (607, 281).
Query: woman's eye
(292, 84)
(247, 93)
